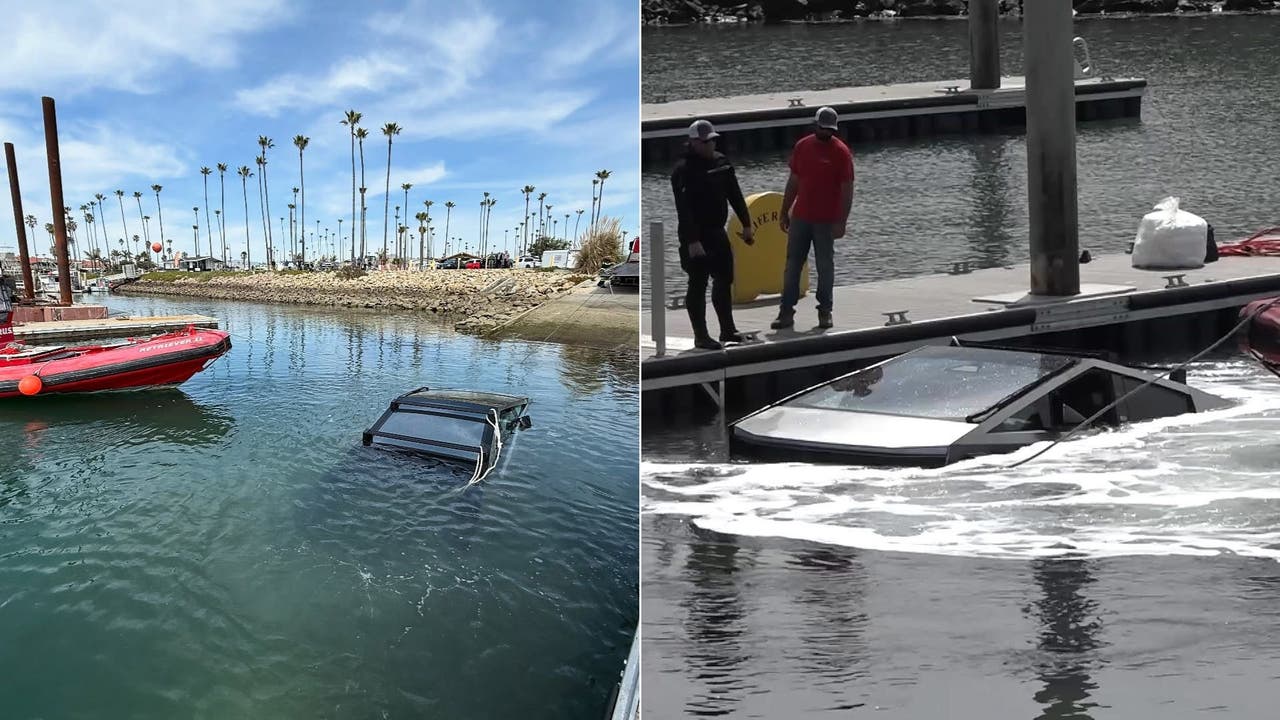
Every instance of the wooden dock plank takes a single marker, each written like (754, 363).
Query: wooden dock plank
(61, 331)
(661, 119)
(933, 297)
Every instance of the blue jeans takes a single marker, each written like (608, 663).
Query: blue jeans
(800, 235)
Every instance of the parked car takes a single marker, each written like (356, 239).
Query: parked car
(530, 261)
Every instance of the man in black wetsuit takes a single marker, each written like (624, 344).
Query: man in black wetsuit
(703, 181)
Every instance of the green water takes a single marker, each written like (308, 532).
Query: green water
(228, 549)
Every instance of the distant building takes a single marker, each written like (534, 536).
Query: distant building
(201, 264)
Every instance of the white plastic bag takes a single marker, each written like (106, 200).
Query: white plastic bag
(1170, 239)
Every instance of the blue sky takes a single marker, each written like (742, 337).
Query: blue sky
(490, 96)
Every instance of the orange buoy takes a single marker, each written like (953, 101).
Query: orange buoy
(156, 247)
(30, 385)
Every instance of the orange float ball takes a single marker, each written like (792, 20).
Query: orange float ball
(156, 247)
(30, 385)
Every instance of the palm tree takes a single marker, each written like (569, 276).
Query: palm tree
(396, 249)
(243, 172)
(541, 197)
(352, 121)
(244, 255)
(448, 210)
(527, 190)
(196, 210)
(422, 237)
(488, 213)
(390, 130)
(575, 224)
(138, 197)
(159, 213)
(222, 223)
(120, 199)
(602, 175)
(265, 143)
(405, 187)
(301, 142)
(208, 229)
(361, 134)
(293, 227)
(267, 248)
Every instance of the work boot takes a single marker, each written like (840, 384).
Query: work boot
(705, 342)
(733, 336)
(785, 320)
(824, 319)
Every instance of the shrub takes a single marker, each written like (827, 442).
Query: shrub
(349, 272)
(602, 247)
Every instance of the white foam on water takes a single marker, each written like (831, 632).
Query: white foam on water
(1196, 484)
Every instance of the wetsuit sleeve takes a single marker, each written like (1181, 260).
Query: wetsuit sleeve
(736, 200)
(684, 222)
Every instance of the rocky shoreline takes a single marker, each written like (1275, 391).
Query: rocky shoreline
(683, 12)
(477, 300)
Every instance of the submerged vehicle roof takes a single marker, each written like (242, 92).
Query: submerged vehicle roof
(458, 425)
(462, 399)
(938, 404)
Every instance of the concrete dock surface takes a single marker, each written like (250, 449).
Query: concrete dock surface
(588, 316)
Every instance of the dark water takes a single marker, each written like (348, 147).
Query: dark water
(230, 550)
(922, 204)
(1131, 573)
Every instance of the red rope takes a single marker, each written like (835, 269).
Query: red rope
(1265, 242)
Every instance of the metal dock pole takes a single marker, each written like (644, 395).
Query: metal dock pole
(1051, 148)
(657, 287)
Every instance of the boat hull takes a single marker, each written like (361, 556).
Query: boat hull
(166, 360)
(1261, 336)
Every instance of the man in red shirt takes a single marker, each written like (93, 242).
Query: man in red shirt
(815, 211)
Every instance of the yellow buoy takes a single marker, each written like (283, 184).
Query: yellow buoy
(758, 268)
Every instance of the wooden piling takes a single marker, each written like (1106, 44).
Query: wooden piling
(984, 45)
(1051, 148)
(55, 197)
(24, 255)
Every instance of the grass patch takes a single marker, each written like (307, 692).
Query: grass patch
(176, 275)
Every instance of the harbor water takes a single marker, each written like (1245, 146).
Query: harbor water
(1130, 573)
(229, 549)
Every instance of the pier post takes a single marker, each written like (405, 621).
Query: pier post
(24, 255)
(984, 44)
(55, 196)
(1051, 148)
(657, 287)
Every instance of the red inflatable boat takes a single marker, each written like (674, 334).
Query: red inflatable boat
(164, 360)
(1260, 337)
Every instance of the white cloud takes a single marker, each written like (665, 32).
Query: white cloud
(427, 68)
(372, 73)
(123, 44)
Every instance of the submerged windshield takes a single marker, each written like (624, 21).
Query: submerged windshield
(438, 428)
(941, 383)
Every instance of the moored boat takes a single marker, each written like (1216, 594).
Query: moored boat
(1260, 336)
(162, 361)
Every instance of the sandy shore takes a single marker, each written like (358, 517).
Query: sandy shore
(476, 300)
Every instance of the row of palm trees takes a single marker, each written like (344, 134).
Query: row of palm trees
(546, 226)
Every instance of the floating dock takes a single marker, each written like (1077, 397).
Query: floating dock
(64, 331)
(1120, 308)
(755, 123)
